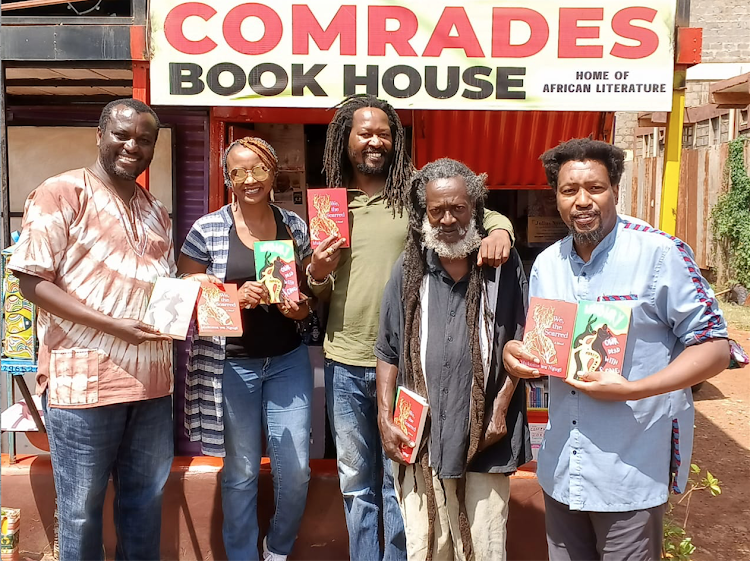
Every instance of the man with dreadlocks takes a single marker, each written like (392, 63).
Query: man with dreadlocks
(366, 152)
(443, 324)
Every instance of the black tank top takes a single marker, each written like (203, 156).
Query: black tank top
(266, 331)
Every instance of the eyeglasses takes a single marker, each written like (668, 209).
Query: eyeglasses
(258, 171)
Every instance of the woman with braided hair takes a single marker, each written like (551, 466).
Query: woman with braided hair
(444, 322)
(240, 388)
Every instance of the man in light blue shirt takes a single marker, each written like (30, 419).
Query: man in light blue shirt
(615, 445)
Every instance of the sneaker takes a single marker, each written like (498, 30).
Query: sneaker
(270, 555)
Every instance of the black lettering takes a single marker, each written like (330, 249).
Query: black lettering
(389, 81)
(181, 73)
(238, 82)
(430, 82)
(369, 80)
(282, 79)
(470, 79)
(503, 82)
(302, 80)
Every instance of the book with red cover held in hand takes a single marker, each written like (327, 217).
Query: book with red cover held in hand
(328, 210)
(410, 414)
(219, 310)
(276, 269)
(570, 339)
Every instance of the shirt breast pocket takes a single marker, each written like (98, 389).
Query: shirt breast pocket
(73, 377)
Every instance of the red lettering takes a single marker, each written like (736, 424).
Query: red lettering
(173, 28)
(306, 27)
(378, 37)
(233, 29)
(568, 46)
(622, 25)
(501, 21)
(465, 39)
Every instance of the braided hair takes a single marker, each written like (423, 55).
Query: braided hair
(414, 268)
(336, 164)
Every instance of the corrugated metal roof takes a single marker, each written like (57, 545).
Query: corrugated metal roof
(504, 144)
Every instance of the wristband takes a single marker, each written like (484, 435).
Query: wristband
(311, 280)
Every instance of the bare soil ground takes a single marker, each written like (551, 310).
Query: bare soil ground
(720, 526)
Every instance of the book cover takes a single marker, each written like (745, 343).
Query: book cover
(328, 211)
(276, 268)
(171, 306)
(219, 310)
(18, 316)
(599, 338)
(410, 414)
(548, 334)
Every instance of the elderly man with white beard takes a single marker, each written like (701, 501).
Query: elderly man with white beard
(443, 324)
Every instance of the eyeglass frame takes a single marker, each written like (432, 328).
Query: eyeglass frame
(250, 172)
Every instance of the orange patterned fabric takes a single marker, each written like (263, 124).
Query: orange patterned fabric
(76, 233)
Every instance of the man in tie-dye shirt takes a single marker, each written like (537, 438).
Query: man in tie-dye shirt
(93, 242)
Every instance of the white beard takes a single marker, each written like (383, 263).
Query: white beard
(470, 240)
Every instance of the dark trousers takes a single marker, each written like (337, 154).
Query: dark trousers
(574, 535)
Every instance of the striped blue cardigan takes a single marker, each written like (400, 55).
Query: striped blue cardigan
(208, 243)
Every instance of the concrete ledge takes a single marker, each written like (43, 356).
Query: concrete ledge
(191, 521)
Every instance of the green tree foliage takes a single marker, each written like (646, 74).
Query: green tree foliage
(731, 217)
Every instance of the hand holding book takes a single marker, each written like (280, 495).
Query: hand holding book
(394, 441)
(514, 355)
(252, 293)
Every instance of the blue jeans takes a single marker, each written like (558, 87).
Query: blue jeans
(131, 441)
(365, 474)
(271, 395)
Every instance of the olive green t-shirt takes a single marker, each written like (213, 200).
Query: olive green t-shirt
(377, 238)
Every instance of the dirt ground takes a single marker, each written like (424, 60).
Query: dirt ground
(720, 526)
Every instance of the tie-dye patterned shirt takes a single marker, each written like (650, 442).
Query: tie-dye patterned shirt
(76, 233)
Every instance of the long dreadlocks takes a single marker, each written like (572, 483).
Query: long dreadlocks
(414, 268)
(336, 164)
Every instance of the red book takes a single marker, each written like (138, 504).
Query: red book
(328, 210)
(548, 335)
(410, 414)
(219, 310)
(570, 339)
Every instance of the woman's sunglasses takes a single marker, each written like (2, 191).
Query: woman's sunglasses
(258, 171)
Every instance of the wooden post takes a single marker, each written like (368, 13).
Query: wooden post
(142, 93)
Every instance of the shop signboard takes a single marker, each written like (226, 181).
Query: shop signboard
(572, 55)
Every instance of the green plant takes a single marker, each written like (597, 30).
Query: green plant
(678, 546)
(731, 218)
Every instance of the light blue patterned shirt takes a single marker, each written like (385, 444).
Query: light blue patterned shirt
(620, 456)
(208, 244)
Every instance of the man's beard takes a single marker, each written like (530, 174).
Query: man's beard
(470, 240)
(366, 169)
(589, 237)
(109, 165)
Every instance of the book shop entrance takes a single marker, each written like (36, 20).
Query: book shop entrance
(504, 144)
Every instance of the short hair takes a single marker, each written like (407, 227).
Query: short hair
(580, 149)
(135, 104)
(445, 168)
(263, 149)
